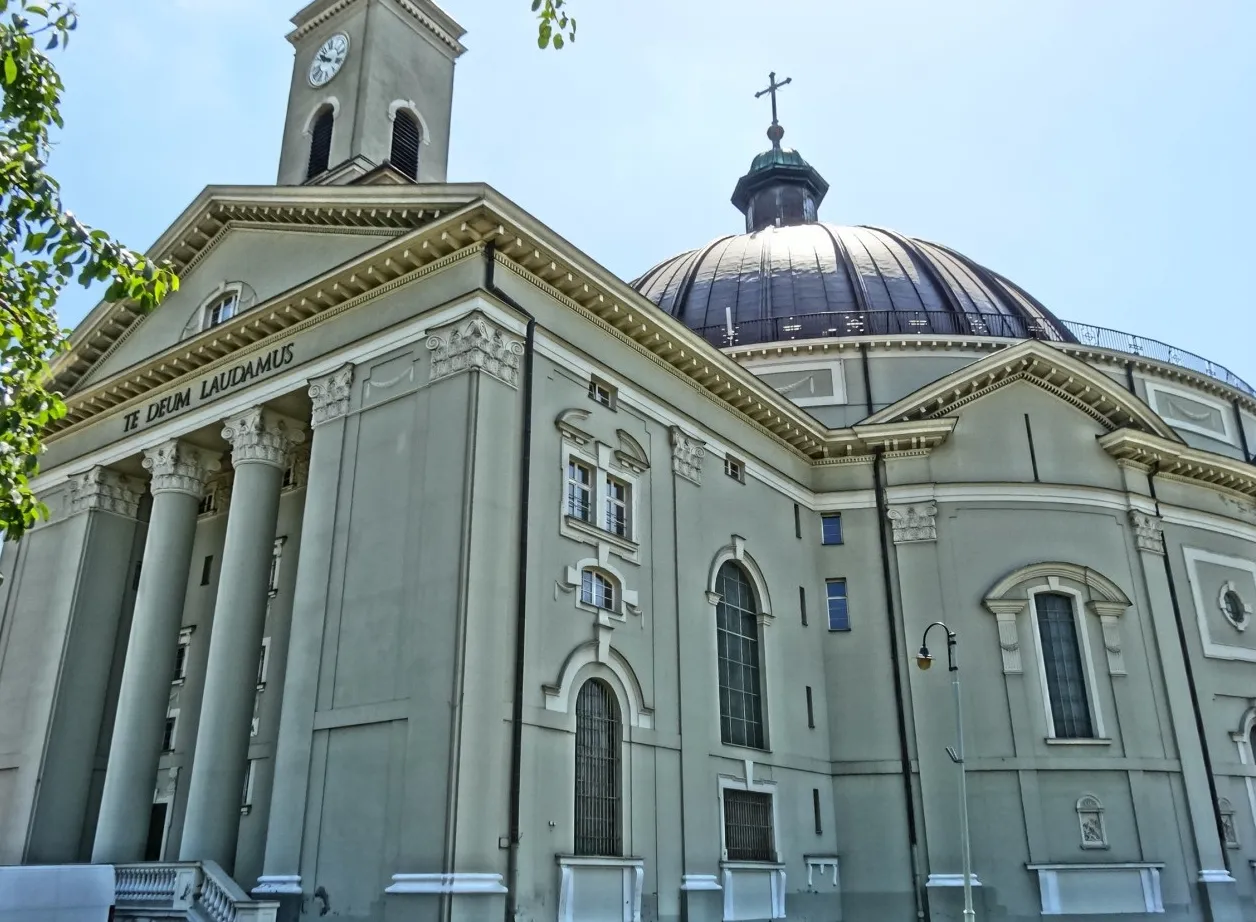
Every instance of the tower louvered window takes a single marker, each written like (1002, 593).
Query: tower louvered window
(320, 142)
(737, 636)
(405, 144)
(597, 771)
(1062, 663)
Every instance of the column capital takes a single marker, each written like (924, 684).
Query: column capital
(178, 467)
(687, 454)
(105, 490)
(330, 395)
(1148, 532)
(916, 522)
(261, 436)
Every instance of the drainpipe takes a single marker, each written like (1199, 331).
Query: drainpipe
(521, 589)
(1190, 677)
(1238, 418)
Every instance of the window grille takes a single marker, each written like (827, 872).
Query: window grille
(596, 589)
(406, 136)
(748, 826)
(617, 507)
(598, 741)
(737, 635)
(839, 612)
(579, 491)
(1062, 664)
(831, 528)
(320, 143)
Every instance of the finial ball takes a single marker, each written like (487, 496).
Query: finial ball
(775, 133)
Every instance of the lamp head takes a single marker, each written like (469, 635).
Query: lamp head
(924, 659)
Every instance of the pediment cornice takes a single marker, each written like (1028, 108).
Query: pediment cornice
(1176, 461)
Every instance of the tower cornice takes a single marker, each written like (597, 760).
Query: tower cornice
(425, 14)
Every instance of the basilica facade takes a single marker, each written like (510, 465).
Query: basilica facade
(407, 564)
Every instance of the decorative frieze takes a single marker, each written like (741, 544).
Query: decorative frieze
(1148, 532)
(261, 436)
(476, 345)
(178, 467)
(917, 522)
(104, 490)
(687, 455)
(330, 395)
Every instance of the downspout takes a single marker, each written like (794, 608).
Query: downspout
(521, 588)
(900, 709)
(1190, 678)
(1238, 418)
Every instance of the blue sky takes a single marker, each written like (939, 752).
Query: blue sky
(1097, 153)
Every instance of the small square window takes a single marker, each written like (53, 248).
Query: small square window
(734, 468)
(579, 491)
(616, 507)
(839, 616)
(602, 393)
(831, 528)
(209, 502)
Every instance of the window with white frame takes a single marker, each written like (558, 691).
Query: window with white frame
(598, 495)
(839, 613)
(209, 500)
(597, 589)
(735, 469)
(602, 392)
(579, 490)
(617, 506)
(246, 793)
(263, 663)
(1063, 666)
(181, 656)
(221, 309)
(169, 735)
(598, 741)
(737, 647)
(276, 557)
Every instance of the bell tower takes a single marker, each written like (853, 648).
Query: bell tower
(372, 83)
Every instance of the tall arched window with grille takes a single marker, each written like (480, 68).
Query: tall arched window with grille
(598, 740)
(320, 141)
(406, 136)
(1064, 671)
(737, 637)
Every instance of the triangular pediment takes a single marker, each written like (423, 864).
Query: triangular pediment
(1040, 364)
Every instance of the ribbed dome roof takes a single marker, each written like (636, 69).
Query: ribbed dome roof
(777, 282)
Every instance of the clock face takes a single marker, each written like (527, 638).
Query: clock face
(328, 59)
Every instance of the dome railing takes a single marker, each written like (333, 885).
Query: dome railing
(950, 323)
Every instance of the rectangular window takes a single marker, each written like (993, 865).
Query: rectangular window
(748, 826)
(596, 589)
(1062, 666)
(601, 392)
(737, 651)
(168, 734)
(246, 794)
(733, 468)
(797, 521)
(802, 604)
(206, 567)
(579, 491)
(263, 662)
(815, 808)
(839, 616)
(209, 501)
(181, 662)
(811, 713)
(289, 476)
(135, 580)
(831, 528)
(276, 555)
(617, 507)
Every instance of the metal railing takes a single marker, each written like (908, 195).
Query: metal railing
(951, 323)
(199, 890)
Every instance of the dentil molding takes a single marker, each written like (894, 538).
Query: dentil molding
(687, 454)
(261, 436)
(918, 522)
(476, 345)
(106, 491)
(330, 395)
(178, 467)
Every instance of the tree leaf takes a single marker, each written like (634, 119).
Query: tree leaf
(10, 68)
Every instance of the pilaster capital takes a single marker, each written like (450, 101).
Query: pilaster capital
(261, 436)
(687, 454)
(178, 467)
(476, 345)
(330, 395)
(104, 490)
(1148, 532)
(917, 522)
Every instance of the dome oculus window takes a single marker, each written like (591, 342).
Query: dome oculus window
(221, 309)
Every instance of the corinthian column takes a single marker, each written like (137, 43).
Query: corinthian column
(179, 472)
(281, 869)
(260, 443)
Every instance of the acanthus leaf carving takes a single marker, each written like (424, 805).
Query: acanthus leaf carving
(687, 454)
(106, 491)
(918, 522)
(330, 395)
(178, 467)
(476, 345)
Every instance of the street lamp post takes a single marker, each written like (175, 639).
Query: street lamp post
(924, 659)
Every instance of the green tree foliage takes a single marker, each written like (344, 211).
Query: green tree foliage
(43, 248)
(553, 23)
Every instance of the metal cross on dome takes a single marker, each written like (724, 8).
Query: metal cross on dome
(772, 87)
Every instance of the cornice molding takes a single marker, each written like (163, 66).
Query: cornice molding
(1176, 461)
(447, 31)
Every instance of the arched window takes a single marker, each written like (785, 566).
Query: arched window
(1062, 665)
(737, 636)
(320, 142)
(597, 589)
(406, 135)
(598, 740)
(221, 309)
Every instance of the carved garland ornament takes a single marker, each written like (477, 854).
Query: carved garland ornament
(476, 345)
(104, 490)
(180, 468)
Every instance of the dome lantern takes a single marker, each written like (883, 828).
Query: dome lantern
(780, 189)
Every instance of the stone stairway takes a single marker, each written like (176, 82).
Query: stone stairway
(198, 891)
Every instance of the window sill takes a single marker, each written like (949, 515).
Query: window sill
(178, 681)
(1083, 741)
(600, 534)
(741, 865)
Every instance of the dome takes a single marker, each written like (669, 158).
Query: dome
(805, 280)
